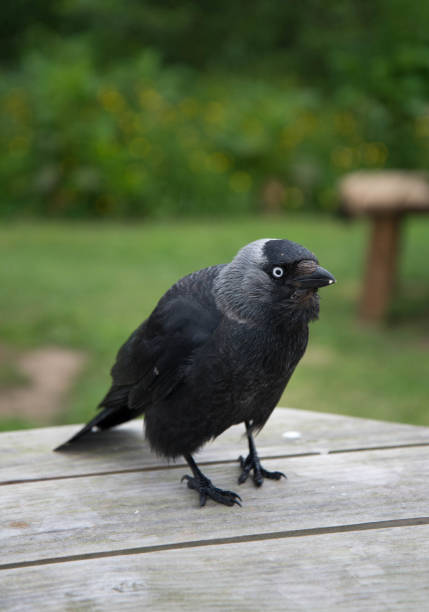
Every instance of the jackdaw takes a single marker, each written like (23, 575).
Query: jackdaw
(219, 349)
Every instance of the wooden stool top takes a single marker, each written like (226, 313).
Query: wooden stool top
(384, 192)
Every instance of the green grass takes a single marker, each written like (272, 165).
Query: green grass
(87, 286)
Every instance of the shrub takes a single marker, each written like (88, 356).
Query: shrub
(142, 139)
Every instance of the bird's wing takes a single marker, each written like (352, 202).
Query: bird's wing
(154, 359)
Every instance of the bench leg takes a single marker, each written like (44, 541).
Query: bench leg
(381, 266)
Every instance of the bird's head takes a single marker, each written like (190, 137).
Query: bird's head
(271, 278)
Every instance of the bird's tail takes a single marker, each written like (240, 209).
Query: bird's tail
(97, 421)
(114, 412)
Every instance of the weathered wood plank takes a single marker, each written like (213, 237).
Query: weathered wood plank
(27, 455)
(378, 570)
(118, 511)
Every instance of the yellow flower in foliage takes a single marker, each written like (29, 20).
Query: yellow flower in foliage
(346, 123)
(214, 113)
(127, 122)
(374, 153)
(309, 121)
(189, 107)
(151, 99)
(220, 162)
(291, 136)
(169, 115)
(240, 182)
(111, 100)
(253, 128)
(343, 157)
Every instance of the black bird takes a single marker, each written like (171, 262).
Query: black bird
(219, 349)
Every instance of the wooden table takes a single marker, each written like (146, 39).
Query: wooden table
(110, 526)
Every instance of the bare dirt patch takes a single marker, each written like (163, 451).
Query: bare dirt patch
(49, 372)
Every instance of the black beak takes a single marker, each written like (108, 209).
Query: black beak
(319, 278)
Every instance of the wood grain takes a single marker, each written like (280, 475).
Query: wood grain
(27, 455)
(133, 536)
(354, 572)
(117, 511)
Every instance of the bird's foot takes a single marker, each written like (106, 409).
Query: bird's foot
(252, 463)
(206, 489)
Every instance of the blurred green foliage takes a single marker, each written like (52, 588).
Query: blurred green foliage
(160, 108)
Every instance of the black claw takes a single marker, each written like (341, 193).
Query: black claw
(206, 489)
(273, 475)
(245, 470)
(258, 479)
(252, 463)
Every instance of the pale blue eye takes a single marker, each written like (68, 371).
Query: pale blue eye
(277, 272)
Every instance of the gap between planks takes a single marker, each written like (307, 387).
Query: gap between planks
(154, 468)
(374, 525)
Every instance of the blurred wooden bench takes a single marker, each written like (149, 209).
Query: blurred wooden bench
(109, 526)
(386, 197)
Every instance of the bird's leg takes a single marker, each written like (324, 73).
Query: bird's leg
(252, 463)
(206, 489)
